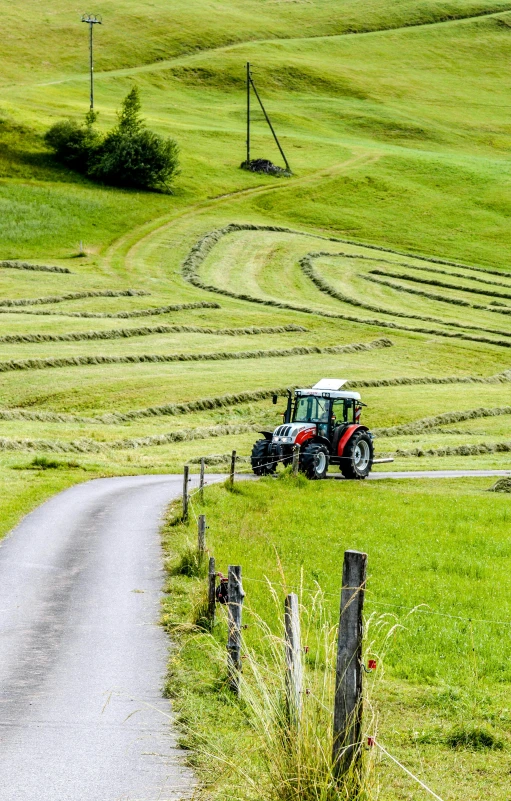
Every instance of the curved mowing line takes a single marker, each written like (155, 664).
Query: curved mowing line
(427, 423)
(205, 244)
(432, 296)
(76, 361)
(124, 333)
(23, 265)
(443, 285)
(123, 315)
(223, 401)
(107, 293)
(317, 279)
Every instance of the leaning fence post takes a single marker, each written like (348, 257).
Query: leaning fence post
(201, 537)
(234, 609)
(201, 479)
(296, 459)
(347, 750)
(294, 667)
(211, 591)
(186, 470)
(233, 467)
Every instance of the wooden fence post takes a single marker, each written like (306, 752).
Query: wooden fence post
(296, 459)
(347, 747)
(186, 470)
(201, 537)
(201, 479)
(294, 667)
(234, 609)
(233, 467)
(211, 591)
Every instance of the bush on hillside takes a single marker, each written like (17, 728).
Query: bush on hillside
(130, 155)
(75, 144)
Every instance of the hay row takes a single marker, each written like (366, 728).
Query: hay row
(106, 293)
(307, 267)
(206, 243)
(498, 309)
(458, 450)
(223, 401)
(23, 265)
(209, 239)
(218, 458)
(458, 275)
(119, 315)
(443, 285)
(124, 333)
(91, 446)
(428, 423)
(76, 361)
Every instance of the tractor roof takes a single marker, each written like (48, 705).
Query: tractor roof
(330, 388)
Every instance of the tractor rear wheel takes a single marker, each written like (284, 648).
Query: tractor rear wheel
(263, 464)
(314, 460)
(357, 459)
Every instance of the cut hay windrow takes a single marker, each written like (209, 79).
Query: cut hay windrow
(6, 303)
(205, 244)
(91, 446)
(502, 485)
(312, 273)
(447, 418)
(125, 333)
(443, 284)
(78, 361)
(451, 274)
(23, 265)
(422, 293)
(458, 450)
(226, 401)
(122, 315)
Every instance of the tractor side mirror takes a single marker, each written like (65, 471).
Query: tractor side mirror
(275, 399)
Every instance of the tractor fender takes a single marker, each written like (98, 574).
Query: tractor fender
(348, 435)
(267, 434)
(305, 436)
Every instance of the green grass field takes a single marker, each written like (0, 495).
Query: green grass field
(394, 118)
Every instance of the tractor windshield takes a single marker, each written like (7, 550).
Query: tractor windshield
(311, 409)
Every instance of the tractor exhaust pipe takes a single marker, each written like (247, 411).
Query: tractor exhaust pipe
(287, 416)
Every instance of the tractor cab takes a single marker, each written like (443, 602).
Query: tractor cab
(324, 423)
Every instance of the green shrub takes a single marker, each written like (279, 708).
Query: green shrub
(132, 156)
(75, 144)
(128, 156)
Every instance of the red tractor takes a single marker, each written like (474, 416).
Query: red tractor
(324, 422)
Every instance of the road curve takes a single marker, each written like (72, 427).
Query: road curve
(82, 657)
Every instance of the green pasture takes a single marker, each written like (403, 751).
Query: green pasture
(433, 573)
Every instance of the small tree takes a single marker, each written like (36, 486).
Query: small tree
(132, 156)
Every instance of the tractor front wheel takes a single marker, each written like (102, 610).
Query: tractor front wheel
(263, 464)
(314, 460)
(357, 459)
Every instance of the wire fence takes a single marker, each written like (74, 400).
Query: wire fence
(422, 608)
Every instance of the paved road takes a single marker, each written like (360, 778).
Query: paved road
(81, 650)
(82, 658)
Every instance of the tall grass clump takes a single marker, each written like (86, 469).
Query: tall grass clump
(288, 758)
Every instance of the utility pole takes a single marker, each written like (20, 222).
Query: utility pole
(248, 113)
(91, 20)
